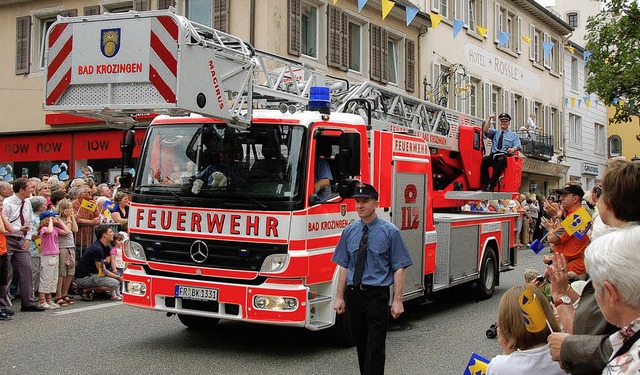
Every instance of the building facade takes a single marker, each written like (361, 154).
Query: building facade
(490, 56)
(347, 42)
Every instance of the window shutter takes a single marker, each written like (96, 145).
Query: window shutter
(92, 10)
(221, 15)
(410, 68)
(375, 69)
(165, 4)
(69, 13)
(23, 36)
(518, 36)
(496, 24)
(532, 33)
(337, 38)
(141, 5)
(384, 55)
(547, 61)
(507, 102)
(345, 41)
(487, 99)
(559, 138)
(295, 25)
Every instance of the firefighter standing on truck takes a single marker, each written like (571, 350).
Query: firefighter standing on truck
(372, 256)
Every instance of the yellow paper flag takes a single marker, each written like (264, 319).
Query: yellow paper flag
(532, 312)
(482, 31)
(573, 102)
(387, 5)
(88, 205)
(435, 20)
(576, 221)
(526, 39)
(587, 103)
(38, 242)
(107, 214)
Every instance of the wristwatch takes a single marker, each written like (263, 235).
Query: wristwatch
(565, 299)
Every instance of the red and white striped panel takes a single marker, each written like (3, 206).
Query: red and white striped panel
(163, 62)
(59, 64)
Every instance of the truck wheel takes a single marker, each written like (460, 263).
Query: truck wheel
(487, 281)
(197, 322)
(341, 331)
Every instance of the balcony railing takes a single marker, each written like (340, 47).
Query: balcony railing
(536, 144)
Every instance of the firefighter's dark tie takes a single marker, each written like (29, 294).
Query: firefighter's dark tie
(500, 140)
(362, 256)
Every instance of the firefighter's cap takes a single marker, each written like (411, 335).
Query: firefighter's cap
(365, 191)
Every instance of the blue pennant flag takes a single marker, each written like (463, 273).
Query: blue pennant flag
(411, 14)
(587, 56)
(566, 101)
(361, 4)
(503, 38)
(457, 26)
(579, 102)
(547, 47)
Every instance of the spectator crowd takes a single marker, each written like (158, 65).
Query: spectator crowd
(60, 239)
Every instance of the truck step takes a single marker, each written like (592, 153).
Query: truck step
(319, 299)
(319, 324)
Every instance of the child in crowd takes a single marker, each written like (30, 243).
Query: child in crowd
(50, 228)
(116, 261)
(524, 352)
(67, 259)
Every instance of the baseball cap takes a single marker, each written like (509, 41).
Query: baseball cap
(504, 116)
(572, 189)
(365, 191)
(47, 214)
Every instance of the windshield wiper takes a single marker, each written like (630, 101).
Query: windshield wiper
(252, 199)
(184, 201)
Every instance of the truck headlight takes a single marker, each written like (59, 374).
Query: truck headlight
(134, 287)
(275, 303)
(134, 250)
(275, 263)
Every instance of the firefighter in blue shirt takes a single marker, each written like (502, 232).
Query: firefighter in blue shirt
(371, 256)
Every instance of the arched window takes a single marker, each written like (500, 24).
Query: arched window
(615, 146)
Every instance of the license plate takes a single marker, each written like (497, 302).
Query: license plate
(189, 292)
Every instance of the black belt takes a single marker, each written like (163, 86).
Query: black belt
(366, 287)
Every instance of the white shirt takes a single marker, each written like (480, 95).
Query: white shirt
(11, 210)
(532, 361)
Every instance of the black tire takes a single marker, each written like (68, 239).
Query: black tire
(341, 331)
(197, 322)
(486, 284)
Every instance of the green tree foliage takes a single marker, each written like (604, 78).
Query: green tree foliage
(613, 38)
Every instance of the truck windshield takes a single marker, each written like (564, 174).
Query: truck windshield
(263, 162)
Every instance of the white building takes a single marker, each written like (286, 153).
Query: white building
(507, 70)
(585, 117)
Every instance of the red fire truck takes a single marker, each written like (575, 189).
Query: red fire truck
(225, 221)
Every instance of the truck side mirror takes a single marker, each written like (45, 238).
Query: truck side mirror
(349, 154)
(126, 147)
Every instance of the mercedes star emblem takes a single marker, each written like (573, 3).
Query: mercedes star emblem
(199, 251)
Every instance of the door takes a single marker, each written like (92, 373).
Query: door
(408, 212)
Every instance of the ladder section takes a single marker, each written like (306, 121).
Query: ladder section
(400, 112)
(114, 66)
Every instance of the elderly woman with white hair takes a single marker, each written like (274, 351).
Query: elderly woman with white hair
(612, 262)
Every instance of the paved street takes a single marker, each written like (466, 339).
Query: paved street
(104, 337)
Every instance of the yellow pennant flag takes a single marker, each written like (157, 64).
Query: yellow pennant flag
(526, 39)
(88, 205)
(482, 31)
(576, 221)
(587, 103)
(532, 312)
(573, 102)
(334, 2)
(435, 20)
(621, 103)
(570, 48)
(387, 5)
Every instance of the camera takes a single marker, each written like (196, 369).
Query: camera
(540, 278)
(492, 332)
